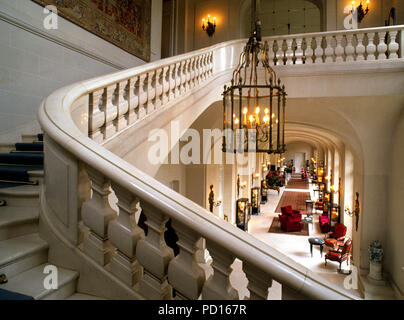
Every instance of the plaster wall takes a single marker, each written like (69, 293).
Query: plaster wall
(394, 260)
(298, 147)
(378, 13)
(35, 61)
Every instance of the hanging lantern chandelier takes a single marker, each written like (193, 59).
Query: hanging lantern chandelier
(254, 103)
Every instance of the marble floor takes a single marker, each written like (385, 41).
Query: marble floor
(295, 246)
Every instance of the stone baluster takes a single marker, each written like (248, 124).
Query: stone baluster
(154, 255)
(289, 52)
(349, 49)
(133, 99)
(158, 88)
(124, 234)
(96, 115)
(299, 51)
(210, 63)
(283, 51)
(166, 84)
(197, 70)
(382, 46)
(271, 54)
(203, 68)
(258, 282)
(187, 74)
(192, 73)
(97, 214)
(142, 95)
(360, 48)
(184, 274)
(329, 50)
(177, 79)
(183, 76)
(371, 47)
(339, 49)
(393, 45)
(172, 82)
(121, 121)
(218, 286)
(111, 110)
(151, 91)
(309, 52)
(276, 54)
(319, 50)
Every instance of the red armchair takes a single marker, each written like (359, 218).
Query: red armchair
(289, 223)
(336, 238)
(287, 210)
(290, 219)
(341, 254)
(324, 222)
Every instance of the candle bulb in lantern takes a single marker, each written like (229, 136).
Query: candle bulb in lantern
(245, 116)
(257, 119)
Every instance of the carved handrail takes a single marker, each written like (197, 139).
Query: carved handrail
(115, 103)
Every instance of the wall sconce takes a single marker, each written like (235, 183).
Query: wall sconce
(209, 26)
(356, 211)
(360, 11)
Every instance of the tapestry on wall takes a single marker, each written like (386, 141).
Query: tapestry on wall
(125, 23)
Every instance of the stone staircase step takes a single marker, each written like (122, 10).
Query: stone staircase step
(83, 296)
(36, 175)
(31, 283)
(22, 253)
(6, 147)
(28, 137)
(21, 196)
(18, 221)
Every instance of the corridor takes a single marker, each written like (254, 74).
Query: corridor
(295, 246)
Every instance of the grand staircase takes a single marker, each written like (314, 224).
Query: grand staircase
(23, 254)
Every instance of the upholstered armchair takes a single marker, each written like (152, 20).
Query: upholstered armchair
(289, 223)
(336, 238)
(287, 210)
(340, 255)
(324, 222)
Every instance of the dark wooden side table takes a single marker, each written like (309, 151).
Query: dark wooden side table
(316, 242)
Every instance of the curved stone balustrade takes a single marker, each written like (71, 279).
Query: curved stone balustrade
(110, 234)
(339, 46)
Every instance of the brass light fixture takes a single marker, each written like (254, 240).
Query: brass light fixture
(254, 103)
(209, 26)
(361, 11)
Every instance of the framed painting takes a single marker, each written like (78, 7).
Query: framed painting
(124, 23)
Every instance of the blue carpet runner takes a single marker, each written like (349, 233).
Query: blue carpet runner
(10, 295)
(15, 165)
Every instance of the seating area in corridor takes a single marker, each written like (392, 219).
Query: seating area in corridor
(295, 246)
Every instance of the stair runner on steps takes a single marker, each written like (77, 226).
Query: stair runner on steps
(23, 254)
(15, 165)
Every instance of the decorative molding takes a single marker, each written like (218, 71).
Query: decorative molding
(38, 32)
